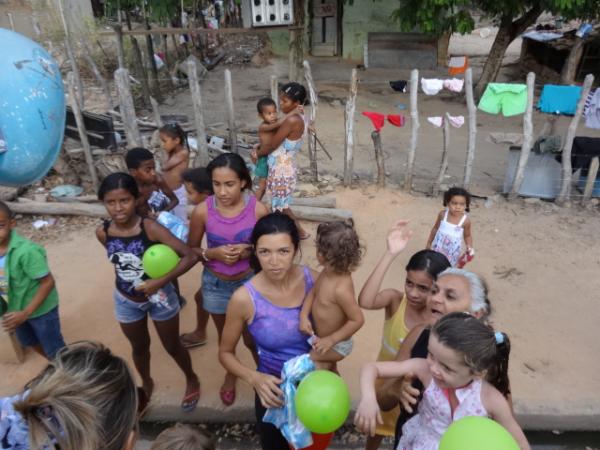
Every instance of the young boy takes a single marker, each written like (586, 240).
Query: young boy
(332, 303)
(155, 194)
(267, 111)
(28, 286)
(174, 139)
(198, 186)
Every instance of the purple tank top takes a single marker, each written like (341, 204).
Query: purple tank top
(229, 230)
(275, 330)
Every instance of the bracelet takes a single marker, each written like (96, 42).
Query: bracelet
(204, 256)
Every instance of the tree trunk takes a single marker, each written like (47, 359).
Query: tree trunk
(507, 32)
(569, 70)
(297, 43)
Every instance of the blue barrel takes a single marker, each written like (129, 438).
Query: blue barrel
(32, 110)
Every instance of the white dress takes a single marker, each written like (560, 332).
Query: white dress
(424, 431)
(449, 238)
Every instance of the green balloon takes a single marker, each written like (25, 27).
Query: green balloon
(322, 401)
(159, 260)
(477, 433)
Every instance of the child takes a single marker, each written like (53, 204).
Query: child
(183, 437)
(28, 286)
(332, 303)
(155, 195)
(198, 186)
(127, 236)
(281, 152)
(462, 350)
(267, 111)
(452, 226)
(173, 138)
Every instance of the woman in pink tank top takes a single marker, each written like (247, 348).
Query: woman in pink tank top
(227, 219)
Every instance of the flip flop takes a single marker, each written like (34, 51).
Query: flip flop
(143, 403)
(190, 401)
(227, 396)
(190, 343)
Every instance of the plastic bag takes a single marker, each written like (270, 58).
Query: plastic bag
(174, 224)
(285, 418)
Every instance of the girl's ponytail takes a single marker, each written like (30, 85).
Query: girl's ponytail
(498, 373)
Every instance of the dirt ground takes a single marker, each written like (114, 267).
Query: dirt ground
(541, 263)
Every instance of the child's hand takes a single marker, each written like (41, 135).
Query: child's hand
(149, 287)
(408, 395)
(12, 320)
(398, 237)
(367, 416)
(323, 345)
(306, 326)
(254, 155)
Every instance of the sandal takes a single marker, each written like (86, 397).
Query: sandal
(227, 396)
(190, 401)
(189, 342)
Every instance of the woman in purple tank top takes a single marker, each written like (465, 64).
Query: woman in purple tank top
(227, 219)
(269, 307)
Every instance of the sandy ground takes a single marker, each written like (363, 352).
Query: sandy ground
(541, 263)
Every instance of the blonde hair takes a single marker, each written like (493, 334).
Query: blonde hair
(183, 437)
(85, 399)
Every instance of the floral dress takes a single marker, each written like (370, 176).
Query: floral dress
(281, 181)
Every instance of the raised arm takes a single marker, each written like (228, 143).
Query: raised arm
(370, 296)
(175, 160)
(239, 311)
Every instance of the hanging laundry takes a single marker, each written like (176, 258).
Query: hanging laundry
(436, 121)
(377, 119)
(399, 85)
(592, 110)
(454, 84)
(397, 120)
(431, 86)
(456, 121)
(508, 98)
(559, 99)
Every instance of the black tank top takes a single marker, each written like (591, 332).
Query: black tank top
(125, 253)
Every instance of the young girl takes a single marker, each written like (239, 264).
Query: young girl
(332, 303)
(403, 310)
(173, 139)
(452, 226)
(126, 237)
(281, 150)
(227, 218)
(461, 351)
(198, 187)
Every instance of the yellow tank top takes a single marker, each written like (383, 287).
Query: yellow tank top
(394, 332)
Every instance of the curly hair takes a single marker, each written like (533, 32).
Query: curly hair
(339, 245)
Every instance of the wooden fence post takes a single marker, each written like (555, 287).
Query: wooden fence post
(230, 112)
(87, 150)
(437, 187)
(128, 116)
(156, 112)
(87, 55)
(565, 188)
(11, 21)
(379, 159)
(472, 110)
(527, 139)
(312, 141)
(275, 90)
(414, 132)
(120, 49)
(349, 122)
(71, 54)
(591, 181)
(202, 158)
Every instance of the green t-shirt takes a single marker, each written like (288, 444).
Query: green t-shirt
(26, 264)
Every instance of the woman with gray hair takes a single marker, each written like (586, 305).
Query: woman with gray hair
(455, 290)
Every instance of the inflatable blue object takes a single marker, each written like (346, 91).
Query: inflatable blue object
(32, 110)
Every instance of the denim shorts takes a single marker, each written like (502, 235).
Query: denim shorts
(128, 311)
(43, 330)
(216, 292)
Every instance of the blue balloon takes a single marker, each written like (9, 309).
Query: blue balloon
(32, 110)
